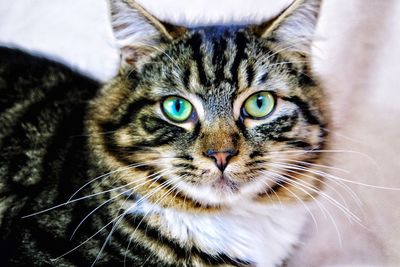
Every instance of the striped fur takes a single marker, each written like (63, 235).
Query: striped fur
(149, 194)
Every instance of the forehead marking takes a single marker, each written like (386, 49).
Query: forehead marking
(195, 42)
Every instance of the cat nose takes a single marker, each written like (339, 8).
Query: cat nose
(221, 158)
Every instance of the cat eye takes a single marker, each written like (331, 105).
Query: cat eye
(259, 105)
(177, 109)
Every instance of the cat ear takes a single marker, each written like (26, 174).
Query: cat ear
(294, 28)
(138, 33)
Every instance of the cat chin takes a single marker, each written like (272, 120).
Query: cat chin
(224, 192)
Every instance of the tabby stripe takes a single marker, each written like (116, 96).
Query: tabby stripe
(304, 108)
(153, 125)
(255, 154)
(36, 225)
(219, 60)
(278, 186)
(121, 154)
(135, 248)
(185, 165)
(274, 129)
(62, 132)
(130, 113)
(263, 77)
(28, 66)
(31, 115)
(186, 78)
(185, 157)
(240, 42)
(195, 43)
(161, 181)
(249, 75)
(305, 80)
(183, 253)
(301, 144)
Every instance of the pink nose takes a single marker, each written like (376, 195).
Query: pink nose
(221, 158)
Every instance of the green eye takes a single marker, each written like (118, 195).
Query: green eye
(177, 109)
(259, 105)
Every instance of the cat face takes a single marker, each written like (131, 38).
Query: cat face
(209, 116)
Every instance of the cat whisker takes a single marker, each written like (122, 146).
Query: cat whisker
(298, 151)
(147, 180)
(314, 178)
(366, 156)
(72, 201)
(168, 182)
(324, 210)
(298, 199)
(76, 200)
(128, 167)
(318, 165)
(127, 249)
(273, 191)
(94, 210)
(156, 203)
(328, 175)
(116, 222)
(333, 201)
(161, 186)
(154, 180)
(339, 183)
(344, 136)
(304, 183)
(87, 240)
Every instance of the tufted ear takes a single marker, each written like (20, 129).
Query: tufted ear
(138, 33)
(294, 28)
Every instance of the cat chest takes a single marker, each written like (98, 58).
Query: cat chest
(264, 239)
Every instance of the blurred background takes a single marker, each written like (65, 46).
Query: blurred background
(357, 59)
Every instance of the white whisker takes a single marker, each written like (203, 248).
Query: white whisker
(125, 212)
(299, 199)
(344, 209)
(342, 185)
(128, 167)
(323, 209)
(147, 180)
(322, 173)
(314, 178)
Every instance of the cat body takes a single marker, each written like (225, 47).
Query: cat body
(185, 158)
(27, 189)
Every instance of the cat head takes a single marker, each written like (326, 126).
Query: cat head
(201, 118)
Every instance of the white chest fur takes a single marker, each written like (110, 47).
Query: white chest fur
(262, 235)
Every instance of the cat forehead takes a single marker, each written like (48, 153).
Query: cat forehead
(214, 59)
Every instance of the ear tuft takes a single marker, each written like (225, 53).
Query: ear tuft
(137, 32)
(294, 28)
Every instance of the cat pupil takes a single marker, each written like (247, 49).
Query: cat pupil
(259, 102)
(177, 105)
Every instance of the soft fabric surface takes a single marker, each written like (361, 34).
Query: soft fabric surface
(357, 58)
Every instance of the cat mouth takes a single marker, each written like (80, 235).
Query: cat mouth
(225, 184)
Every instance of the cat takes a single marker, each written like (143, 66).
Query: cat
(200, 152)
